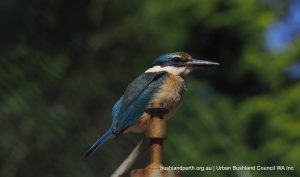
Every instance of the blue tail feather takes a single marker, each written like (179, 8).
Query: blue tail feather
(99, 142)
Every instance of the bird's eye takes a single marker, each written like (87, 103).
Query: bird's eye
(177, 60)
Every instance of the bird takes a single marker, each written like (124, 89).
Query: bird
(163, 82)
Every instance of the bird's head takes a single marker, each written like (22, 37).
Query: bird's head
(178, 63)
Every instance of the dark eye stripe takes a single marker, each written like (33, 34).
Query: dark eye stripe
(177, 59)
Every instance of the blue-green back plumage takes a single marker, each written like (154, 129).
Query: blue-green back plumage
(129, 108)
(131, 105)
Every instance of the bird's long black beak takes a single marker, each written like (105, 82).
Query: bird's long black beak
(194, 63)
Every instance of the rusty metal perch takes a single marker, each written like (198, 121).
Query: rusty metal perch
(155, 134)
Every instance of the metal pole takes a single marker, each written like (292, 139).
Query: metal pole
(156, 132)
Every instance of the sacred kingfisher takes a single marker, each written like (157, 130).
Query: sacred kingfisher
(163, 82)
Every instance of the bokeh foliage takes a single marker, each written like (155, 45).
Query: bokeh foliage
(63, 64)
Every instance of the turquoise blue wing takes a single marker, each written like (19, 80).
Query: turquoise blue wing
(129, 108)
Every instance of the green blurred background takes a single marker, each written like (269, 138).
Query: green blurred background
(63, 64)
